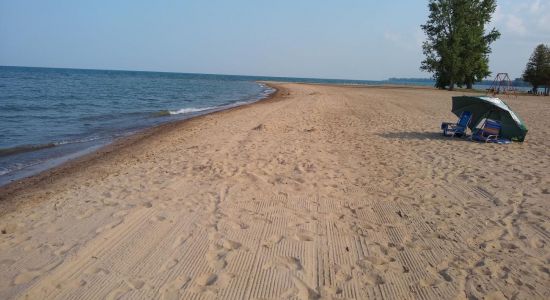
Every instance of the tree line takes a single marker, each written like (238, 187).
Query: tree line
(458, 45)
(537, 71)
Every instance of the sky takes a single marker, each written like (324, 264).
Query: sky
(347, 39)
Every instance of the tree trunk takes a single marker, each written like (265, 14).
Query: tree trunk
(451, 86)
(469, 85)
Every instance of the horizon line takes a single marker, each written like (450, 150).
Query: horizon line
(215, 74)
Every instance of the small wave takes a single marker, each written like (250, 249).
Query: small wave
(4, 171)
(24, 148)
(83, 140)
(189, 110)
(265, 93)
(239, 103)
(30, 148)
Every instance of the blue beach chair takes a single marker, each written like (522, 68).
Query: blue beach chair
(457, 129)
(488, 132)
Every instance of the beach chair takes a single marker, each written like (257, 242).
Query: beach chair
(488, 132)
(457, 129)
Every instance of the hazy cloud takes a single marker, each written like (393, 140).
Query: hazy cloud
(527, 20)
(409, 40)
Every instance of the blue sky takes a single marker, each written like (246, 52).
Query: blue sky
(327, 39)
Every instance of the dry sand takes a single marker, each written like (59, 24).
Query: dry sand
(322, 191)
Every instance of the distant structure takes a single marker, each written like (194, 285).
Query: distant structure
(502, 85)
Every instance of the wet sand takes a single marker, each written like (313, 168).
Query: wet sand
(321, 191)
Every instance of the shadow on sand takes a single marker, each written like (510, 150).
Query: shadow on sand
(420, 135)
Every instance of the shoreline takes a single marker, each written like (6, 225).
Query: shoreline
(318, 192)
(91, 156)
(41, 128)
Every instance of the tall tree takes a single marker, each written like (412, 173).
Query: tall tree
(441, 47)
(547, 71)
(476, 42)
(537, 71)
(457, 46)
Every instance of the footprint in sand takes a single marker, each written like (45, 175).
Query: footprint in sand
(135, 284)
(125, 287)
(86, 214)
(300, 291)
(380, 264)
(204, 284)
(217, 253)
(206, 279)
(173, 290)
(25, 276)
(120, 213)
(272, 241)
(430, 282)
(213, 234)
(169, 265)
(236, 225)
(180, 240)
(216, 257)
(331, 292)
(109, 226)
(5, 263)
(224, 279)
(372, 261)
(98, 271)
(118, 292)
(159, 218)
(302, 237)
(284, 262)
(64, 249)
(343, 273)
(372, 278)
(211, 282)
(230, 245)
(75, 284)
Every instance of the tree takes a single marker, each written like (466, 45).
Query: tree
(547, 72)
(537, 70)
(457, 46)
(440, 48)
(476, 44)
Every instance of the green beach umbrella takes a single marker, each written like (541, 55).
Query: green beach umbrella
(482, 107)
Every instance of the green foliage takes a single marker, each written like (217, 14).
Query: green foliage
(457, 47)
(537, 71)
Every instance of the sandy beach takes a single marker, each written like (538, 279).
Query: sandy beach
(319, 192)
